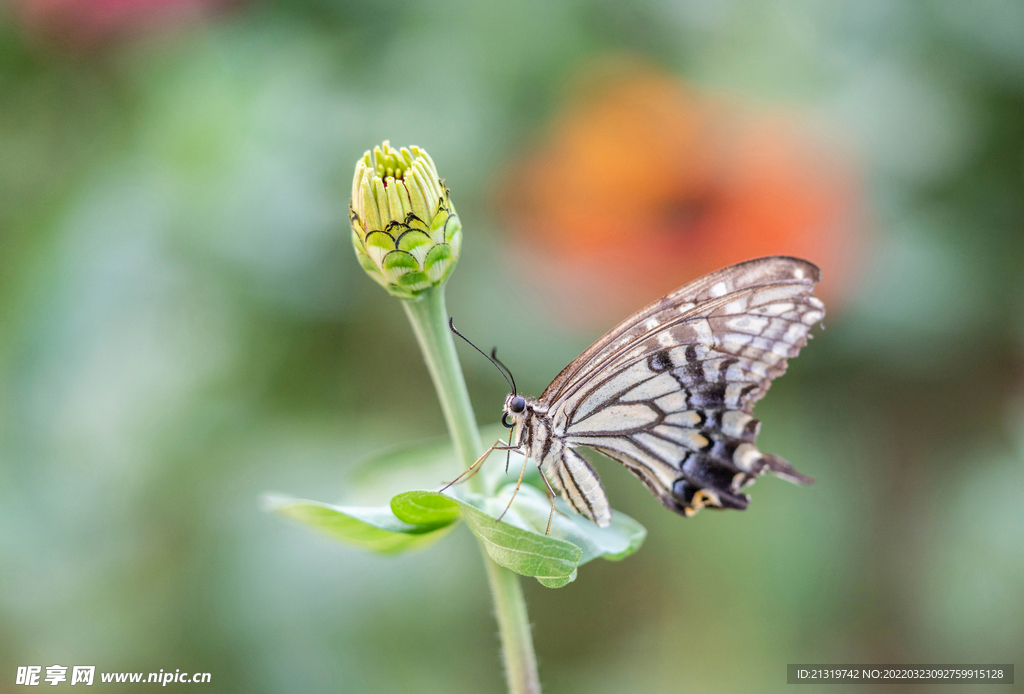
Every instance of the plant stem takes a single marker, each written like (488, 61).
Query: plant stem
(429, 318)
(514, 626)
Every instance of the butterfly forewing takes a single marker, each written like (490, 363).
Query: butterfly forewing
(690, 297)
(669, 392)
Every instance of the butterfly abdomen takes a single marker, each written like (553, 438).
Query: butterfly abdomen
(563, 468)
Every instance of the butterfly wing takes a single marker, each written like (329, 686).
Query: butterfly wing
(670, 392)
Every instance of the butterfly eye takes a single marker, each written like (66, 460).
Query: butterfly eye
(517, 405)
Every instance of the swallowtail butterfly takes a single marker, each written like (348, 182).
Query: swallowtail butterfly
(670, 392)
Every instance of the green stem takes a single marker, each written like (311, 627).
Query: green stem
(429, 318)
(514, 626)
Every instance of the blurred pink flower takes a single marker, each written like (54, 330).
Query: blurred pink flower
(85, 24)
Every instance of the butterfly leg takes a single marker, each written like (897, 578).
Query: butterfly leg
(519, 483)
(508, 451)
(476, 466)
(551, 497)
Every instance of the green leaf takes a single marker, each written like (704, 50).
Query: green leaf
(523, 551)
(427, 509)
(620, 539)
(517, 543)
(557, 582)
(519, 549)
(372, 528)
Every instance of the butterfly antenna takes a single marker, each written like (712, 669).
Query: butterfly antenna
(511, 433)
(511, 384)
(499, 362)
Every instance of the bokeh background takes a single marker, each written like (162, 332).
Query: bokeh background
(183, 326)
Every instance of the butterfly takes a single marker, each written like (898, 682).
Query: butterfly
(669, 392)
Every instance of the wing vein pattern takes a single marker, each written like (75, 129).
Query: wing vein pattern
(670, 391)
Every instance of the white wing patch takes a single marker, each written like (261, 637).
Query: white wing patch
(686, 418)
(747, 323)
(673, 402)
(657, 469)
(651, 389)
(615, 418)
(612, 387)
(665, 450)
(691, 438)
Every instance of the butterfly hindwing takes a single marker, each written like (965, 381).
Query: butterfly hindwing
(579, 485)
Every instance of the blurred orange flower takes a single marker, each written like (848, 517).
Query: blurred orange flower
(644, 184)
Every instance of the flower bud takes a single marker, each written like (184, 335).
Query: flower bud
(405, 230)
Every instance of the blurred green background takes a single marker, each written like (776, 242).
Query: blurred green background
(183, 326)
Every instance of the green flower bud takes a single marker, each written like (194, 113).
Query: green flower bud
(405, 230)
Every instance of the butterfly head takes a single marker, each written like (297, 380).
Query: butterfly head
(515, 410)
